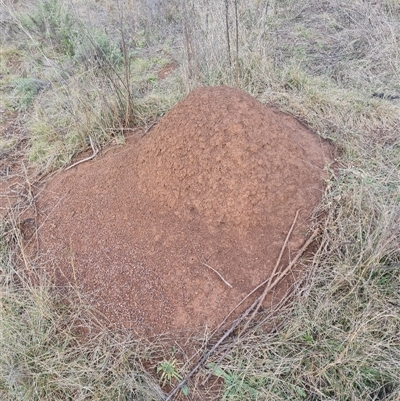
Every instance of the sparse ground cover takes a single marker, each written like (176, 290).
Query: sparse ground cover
(77, 72)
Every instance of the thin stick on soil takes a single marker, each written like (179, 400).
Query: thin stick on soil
(217, 272)
(262, 297)
(269, 279)
(269, 282)
(211, 351)
(244, 315)
(95, 151)
(296, 258)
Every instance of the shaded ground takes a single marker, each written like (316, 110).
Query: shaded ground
(215, 184)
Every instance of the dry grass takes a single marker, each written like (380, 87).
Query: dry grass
(52, 349)
(79, 80)
(338, 339)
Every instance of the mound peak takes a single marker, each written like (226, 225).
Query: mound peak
(225, 157)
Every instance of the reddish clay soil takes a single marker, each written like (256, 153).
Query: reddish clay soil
(217, 182)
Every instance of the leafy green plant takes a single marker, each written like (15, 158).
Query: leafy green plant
(52, 22)
(236, 385)
(24, 92)
(169, 374)
(168, 370)
(98, 50)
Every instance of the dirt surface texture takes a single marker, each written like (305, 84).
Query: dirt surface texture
(215, 185)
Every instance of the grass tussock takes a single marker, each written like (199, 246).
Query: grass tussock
(75, 72)
(52, 349)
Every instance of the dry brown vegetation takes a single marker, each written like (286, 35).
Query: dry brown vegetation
(76, 71)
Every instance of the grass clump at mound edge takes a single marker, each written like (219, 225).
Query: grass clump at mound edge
(321, 61)
(339, 339)
(52, 349)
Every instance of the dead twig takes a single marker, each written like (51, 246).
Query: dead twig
(265, 281)
(150, 126)
(244, 315)
(95, 151)
(217, 272)
(296, 258)
(269, 280)
(260, 300)
(211, 351)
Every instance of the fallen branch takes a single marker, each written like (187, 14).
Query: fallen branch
(259, 300)
(256, 304)
(95, 151)
(265, 281)
(211, 351)
(273, 274)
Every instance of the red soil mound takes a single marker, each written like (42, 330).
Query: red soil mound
(216, 183)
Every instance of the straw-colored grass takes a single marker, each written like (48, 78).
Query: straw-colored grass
(52, 349)
(334, 65)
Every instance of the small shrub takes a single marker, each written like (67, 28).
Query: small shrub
(25, 91)
(98, 50)
(52, 23)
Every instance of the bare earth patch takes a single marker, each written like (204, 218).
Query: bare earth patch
(215, 184)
